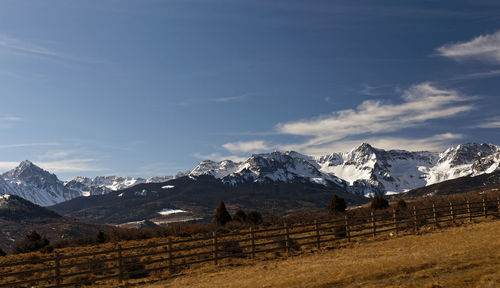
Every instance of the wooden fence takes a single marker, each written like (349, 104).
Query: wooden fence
(162, 258)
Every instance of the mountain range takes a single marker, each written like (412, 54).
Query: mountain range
(364, 171)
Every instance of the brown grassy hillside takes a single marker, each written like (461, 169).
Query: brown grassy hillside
(467, 256)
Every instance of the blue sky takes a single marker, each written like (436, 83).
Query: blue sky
(143, 88)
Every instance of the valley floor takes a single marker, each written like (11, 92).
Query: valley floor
(466, 256)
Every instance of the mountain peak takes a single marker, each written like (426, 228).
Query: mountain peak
(366, 148)
(25, 163)
(26, 167)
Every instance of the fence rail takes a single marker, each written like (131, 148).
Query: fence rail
(123, 263)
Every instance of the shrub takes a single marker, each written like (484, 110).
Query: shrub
(240, 216)
(2, 253)
(100, 237)
(231, 248)
(221, 215)
(337, 204)
(400, 205)
(379, 202)
(31, 242)
(254, 218)
(134, 269)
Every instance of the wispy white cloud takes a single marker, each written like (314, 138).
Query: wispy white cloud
(71, 165)
(24, 47)
(372, 122)
(55, 154)
(377, 90)
(483, 48)
(219, 157)
(433, 143)
(421, 103)
(8, 165)
(25, 145)
(229, 99)
(8, 121)
(67, 161)
(478, 75)
(59, 166)
(17, 46)
(187, 102)
(246, 146)
(492, 123)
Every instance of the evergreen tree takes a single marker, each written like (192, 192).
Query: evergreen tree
(254, 217)
(100, 237)
(240, 216)
(31, 242)
(337, 204)
(221, 215)
(400, 205)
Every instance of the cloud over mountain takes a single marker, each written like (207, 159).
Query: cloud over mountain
(484, 48)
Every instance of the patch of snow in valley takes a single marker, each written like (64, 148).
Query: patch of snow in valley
(167, 211)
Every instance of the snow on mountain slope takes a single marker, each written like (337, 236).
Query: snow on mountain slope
(267, 167)
(364, 170)
(217, 169)
(486, 165)
(369, 170)
(43, 188)
(457, 161)
(36, 185)
(102, 184)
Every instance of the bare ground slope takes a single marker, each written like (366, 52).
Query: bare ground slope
(466, 256)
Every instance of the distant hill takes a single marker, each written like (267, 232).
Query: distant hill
(460, 185)
(199, 197)
(18, 217)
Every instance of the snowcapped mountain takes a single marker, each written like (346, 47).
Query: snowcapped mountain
(269, 167)
(43, 188)
(364, 170)
(36, 185)
(458, 162)
(370, 170)
(102, 184)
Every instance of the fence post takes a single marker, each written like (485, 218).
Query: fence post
(468, 210)
(316, 226)
(170, 256)
(214, 247)
(451, 213)
(347, 228)
(287, 239)
(120, 263)
(498, 204)
(252, 234)
(415, 218)
(485, 211)
(395, 220)
(434, 214)
(58, 270)
(374, 228)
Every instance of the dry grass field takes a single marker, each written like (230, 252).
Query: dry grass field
(465, 256)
